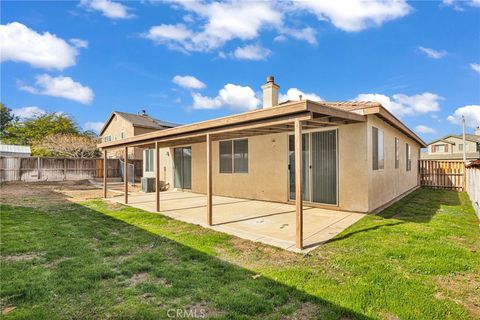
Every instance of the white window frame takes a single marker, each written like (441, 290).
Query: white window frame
(397, 153)
(149, 161)
(408, 156)
(380, 154)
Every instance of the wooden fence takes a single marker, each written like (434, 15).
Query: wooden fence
(442, 174)
(59, 169)
(473, 185)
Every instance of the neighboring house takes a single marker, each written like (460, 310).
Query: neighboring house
(451, 147)
(122, 125)
(356, 156)
(10, 150)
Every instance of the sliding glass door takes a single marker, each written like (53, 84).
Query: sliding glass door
(320, 166)
(182, 161)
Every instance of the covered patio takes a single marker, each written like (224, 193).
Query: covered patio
(261, 221)
(237, 216)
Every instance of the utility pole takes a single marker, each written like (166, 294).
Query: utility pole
(463, 140)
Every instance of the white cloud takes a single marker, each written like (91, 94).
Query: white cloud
(401, 105)
(28, 112)
(189, 82)
(224, 21)
(93, 126)
(432, 53)
(252, 52)
(21, 44)
(293, 94)
(307, 34)
(231, 96)
(355, 15)
(455, 3)
(475, 67)
(60, 86)
(424, 129)
(109, 9)
(471, 114)
(79, 43)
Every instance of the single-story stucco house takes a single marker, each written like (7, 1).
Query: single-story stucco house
(355, 156)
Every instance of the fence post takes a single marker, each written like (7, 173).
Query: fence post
(64, 169)
(38, 168)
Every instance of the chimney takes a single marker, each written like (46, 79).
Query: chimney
(477, 131)
(270, 93)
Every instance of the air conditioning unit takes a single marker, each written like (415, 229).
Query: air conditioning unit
(148, 184)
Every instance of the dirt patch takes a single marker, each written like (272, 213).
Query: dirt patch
(203, 310)
(144, 277)
(21, 257)
(306, 311)
(463, 289)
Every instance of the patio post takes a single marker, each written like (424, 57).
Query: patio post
(298, 184)
(157, 176)
(209, 179)
(125, 174)
(105, 168)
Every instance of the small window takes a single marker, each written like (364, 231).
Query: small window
(460, 147)
(123, 135)
(397, 153)
(408, 154)
(234, 156)
(377, 148)
(149, 160)
(108, 138)
(116, 136)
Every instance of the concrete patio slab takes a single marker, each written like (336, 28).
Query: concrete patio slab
(262, 221)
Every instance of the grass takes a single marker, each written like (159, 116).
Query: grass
(419, 259)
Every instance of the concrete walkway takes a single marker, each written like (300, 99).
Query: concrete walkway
(267, 222)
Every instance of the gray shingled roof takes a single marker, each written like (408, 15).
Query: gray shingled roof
(145, 121)
(140, 120)
(468, 137)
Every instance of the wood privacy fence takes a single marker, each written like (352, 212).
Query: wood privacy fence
(473, 185)
(442, 174)
(59, 169)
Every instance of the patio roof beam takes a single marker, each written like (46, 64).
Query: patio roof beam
(105, 172)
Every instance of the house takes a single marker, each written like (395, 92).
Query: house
(352, 156)
(451, 147)
(122, 125)
(9, 150)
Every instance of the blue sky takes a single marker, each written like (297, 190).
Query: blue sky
(190, 61)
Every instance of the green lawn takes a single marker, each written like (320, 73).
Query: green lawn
(417, 260)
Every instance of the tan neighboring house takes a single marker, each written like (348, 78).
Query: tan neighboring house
(123, 125)
(356, 156)
(451, 147)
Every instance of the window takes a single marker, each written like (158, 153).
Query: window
(377, 147)
(408, 153)
(440, 148)
(149, 160)
(234, 156)
(108, 138)
(124, 135)
(116, 136)
(397, 153)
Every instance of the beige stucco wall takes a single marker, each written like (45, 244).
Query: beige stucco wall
(388, 183)
(166, 166)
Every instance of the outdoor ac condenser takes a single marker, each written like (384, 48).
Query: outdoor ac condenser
(148, 184)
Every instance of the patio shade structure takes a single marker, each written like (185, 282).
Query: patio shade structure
(288, 117)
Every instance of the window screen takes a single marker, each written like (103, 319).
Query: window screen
(226, 156)
(240, 156)
(397, 153)
(149, 160)
(408, 152)
(377, 149)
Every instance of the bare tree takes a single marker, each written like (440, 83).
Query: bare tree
(68, 145)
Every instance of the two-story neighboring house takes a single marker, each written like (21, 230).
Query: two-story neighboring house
(451, 147)
(122, 125)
